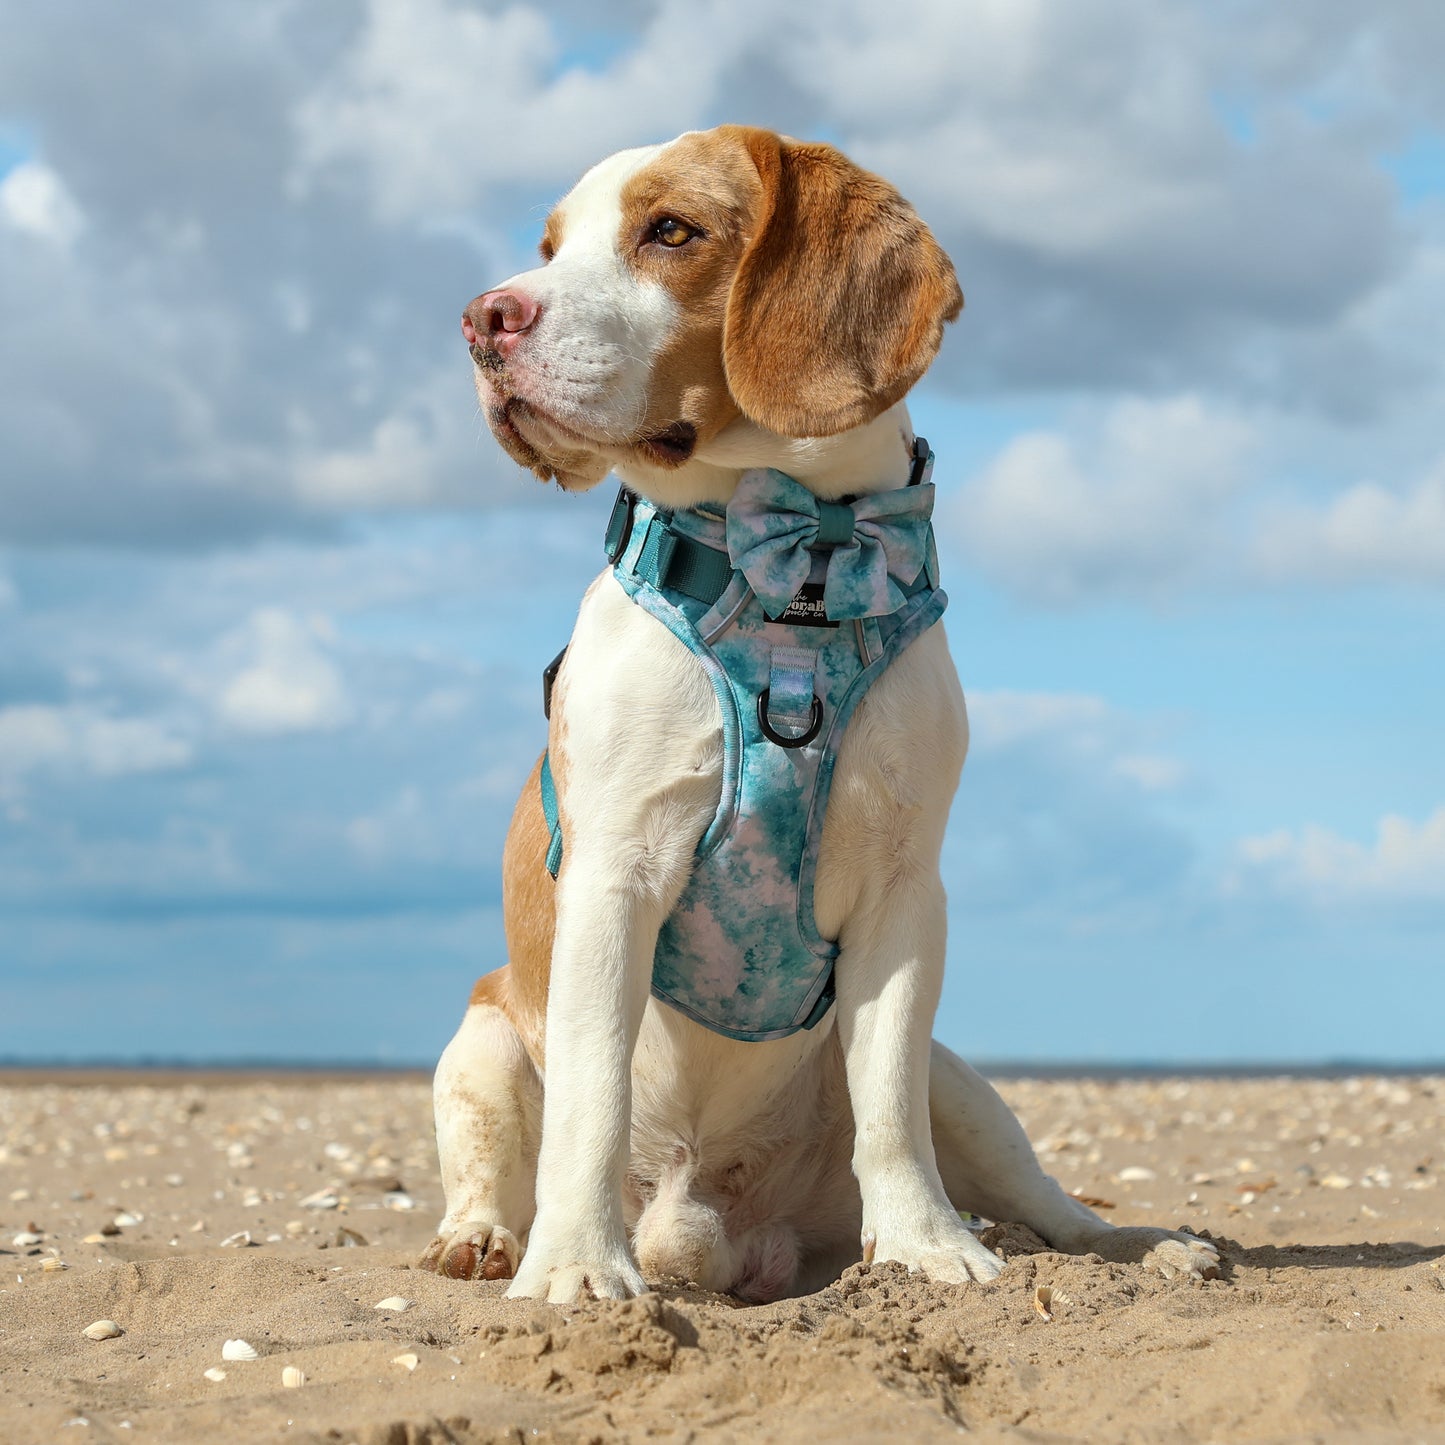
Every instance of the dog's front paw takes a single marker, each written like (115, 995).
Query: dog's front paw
(1174, 1254)
(473, 1251)
(563, 1277)
(946, 1254)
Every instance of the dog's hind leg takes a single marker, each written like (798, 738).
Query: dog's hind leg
(989, 1168)
(488, 1100)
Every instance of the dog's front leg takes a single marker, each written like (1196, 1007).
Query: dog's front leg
(601, 967)
(637, 755)
(890, 973)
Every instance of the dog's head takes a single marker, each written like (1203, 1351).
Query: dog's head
(731, 277)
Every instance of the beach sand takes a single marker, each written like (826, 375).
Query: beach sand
(1328, 1325)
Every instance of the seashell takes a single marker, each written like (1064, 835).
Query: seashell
(408, 1361)
(240, 1240)
(26, 1238)
(215, 1375)
(293, 1378)
(348, 1239)
(238, 1350)
(126, 1220)
(398, 1199)
(50, 1266)
(102, 1330)
(393, 1302)
(19, 1196)
(198, 1227)
(1135, 1174)
(295, 1227)
(1044, 1302)
(95, 1239)
(326, 1198)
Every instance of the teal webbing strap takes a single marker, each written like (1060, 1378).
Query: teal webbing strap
(672, 560)
(553, 815)
(699, 571)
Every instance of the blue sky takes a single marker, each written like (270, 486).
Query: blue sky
(273, 606)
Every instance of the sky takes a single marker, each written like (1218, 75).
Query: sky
(273, 605)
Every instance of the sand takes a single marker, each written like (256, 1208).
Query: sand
(1328, 1325)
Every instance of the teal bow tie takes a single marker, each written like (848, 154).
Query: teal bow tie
(879, 543)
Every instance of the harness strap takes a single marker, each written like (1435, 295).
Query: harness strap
(553, 815)
(792, 714)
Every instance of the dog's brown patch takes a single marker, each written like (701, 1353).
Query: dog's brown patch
(529, 916)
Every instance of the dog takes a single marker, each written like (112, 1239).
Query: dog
(730, 301)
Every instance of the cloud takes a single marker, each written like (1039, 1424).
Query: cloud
(34, 199)
(1405, 862)
(1368, 534)
(289, 684)
(1158, 499)
(1136, 503)
(35, 737)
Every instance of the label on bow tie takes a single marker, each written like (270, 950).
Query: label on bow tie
(806, 609)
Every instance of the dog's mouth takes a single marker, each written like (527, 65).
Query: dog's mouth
(672, 446)
(530, 432)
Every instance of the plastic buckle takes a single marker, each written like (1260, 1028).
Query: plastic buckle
(549, 678)
(922, 469)
(619, 526)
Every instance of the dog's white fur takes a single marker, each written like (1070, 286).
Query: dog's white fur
(659, 1148)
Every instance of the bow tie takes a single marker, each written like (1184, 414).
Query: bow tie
(879, 543)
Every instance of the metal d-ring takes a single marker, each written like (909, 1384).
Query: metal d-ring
(803, 739)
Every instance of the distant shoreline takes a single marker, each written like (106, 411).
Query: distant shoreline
(100, 1072)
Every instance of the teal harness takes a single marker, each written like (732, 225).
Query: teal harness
(741, 952)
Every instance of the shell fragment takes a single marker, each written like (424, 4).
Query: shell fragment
(26, 1239)
(215, 1375)
(1044, 1302)
(393, 1302)
(51, 1265)
(293, 1378)
(240, 1240)
(239, 1350)
(323, 1199)
(102, 1330)
(408, 1361)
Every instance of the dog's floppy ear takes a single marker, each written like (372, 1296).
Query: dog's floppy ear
(839, 301)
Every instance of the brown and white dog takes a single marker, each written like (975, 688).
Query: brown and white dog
(729, 300)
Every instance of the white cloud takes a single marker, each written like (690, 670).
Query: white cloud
(999, 717)
(1133, 504)
(438, 104)
(34, 199)
(1368, 533)
(289, 683)
(1406, 861)
(82, 739)
(1077, 725)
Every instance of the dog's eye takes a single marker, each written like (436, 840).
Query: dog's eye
(671, 232)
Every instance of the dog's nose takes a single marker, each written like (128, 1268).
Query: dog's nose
(498, 318)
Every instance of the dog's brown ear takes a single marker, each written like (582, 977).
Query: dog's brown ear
(839, 301)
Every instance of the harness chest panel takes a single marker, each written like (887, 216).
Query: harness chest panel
(741, 952)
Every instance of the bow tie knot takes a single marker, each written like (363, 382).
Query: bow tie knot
(879, 544)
